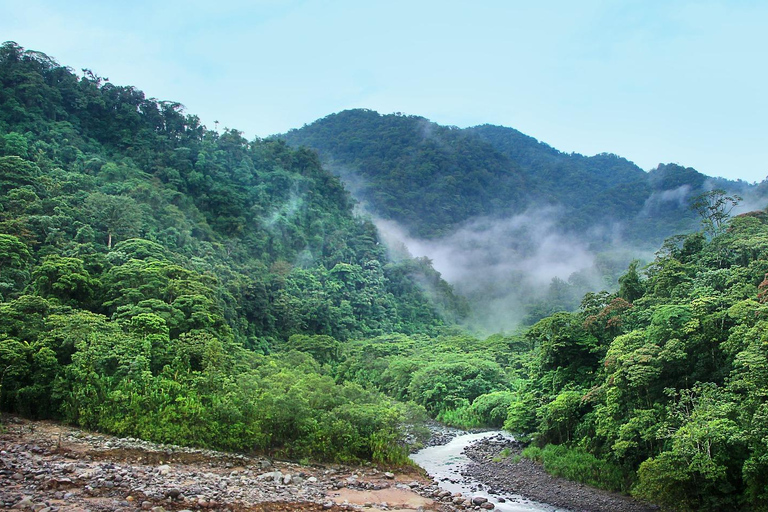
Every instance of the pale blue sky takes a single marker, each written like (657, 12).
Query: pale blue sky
(653, 81)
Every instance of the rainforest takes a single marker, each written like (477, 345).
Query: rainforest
(162, 280)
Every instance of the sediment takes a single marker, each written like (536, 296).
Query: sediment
(511, 474)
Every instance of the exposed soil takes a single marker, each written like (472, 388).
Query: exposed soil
(48, 467)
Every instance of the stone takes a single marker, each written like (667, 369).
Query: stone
(164, 469)
(479, 500)
(272, 475)
(25, 502)
(487, 505)
(389, 475)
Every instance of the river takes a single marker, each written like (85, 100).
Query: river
(444, 464)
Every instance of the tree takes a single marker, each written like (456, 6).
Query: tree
(14, 262)
(631, 286)
(119, 216)
(715, 209)
(66, 279)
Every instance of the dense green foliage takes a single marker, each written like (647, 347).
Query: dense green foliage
(458, 379)
(149, 267)
(428, 177)
(161, 280)
(578, 465)
(433, 178)
(667, 379)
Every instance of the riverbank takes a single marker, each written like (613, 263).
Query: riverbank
(511, 474)
(48, 467)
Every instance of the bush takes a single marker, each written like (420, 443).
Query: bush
(579, 465)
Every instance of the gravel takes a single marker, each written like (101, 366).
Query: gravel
(512, 474)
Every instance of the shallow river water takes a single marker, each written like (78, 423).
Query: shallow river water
(444, 464)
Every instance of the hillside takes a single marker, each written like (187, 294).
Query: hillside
(154, 272)
(163, 281)
(519, 228)
(433, 179)
(661, 388)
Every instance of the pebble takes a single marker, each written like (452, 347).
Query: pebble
(151, 477)
(24, 503)
(525, 477)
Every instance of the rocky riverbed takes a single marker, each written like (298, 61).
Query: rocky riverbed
(48, 467)
(513, 475)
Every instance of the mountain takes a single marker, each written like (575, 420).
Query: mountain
(165, 281)
(433, 179)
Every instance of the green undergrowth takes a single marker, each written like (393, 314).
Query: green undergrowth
(578, 465)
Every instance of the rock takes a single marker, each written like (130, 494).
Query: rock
(487, 505)
(25, 502)
(287, 479)
(146, 505)
(389, 475)
(327, 505)
(272, 475)
(479, 500)
(164, 469)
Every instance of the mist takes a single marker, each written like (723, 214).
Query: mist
(505, 266)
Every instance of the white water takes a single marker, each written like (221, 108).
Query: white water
(444, 464)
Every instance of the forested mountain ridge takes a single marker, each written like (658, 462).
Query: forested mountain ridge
(432, 179)
(169, 282)
(150, 266)
(412, 171)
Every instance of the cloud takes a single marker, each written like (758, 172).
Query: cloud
(501, 264)
(677, 197)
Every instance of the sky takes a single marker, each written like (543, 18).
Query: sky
(653, 81)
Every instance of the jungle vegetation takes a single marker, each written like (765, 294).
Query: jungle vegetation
(162, 280)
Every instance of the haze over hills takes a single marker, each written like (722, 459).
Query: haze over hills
(432, 178)
(165, 281)
(510, 221)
